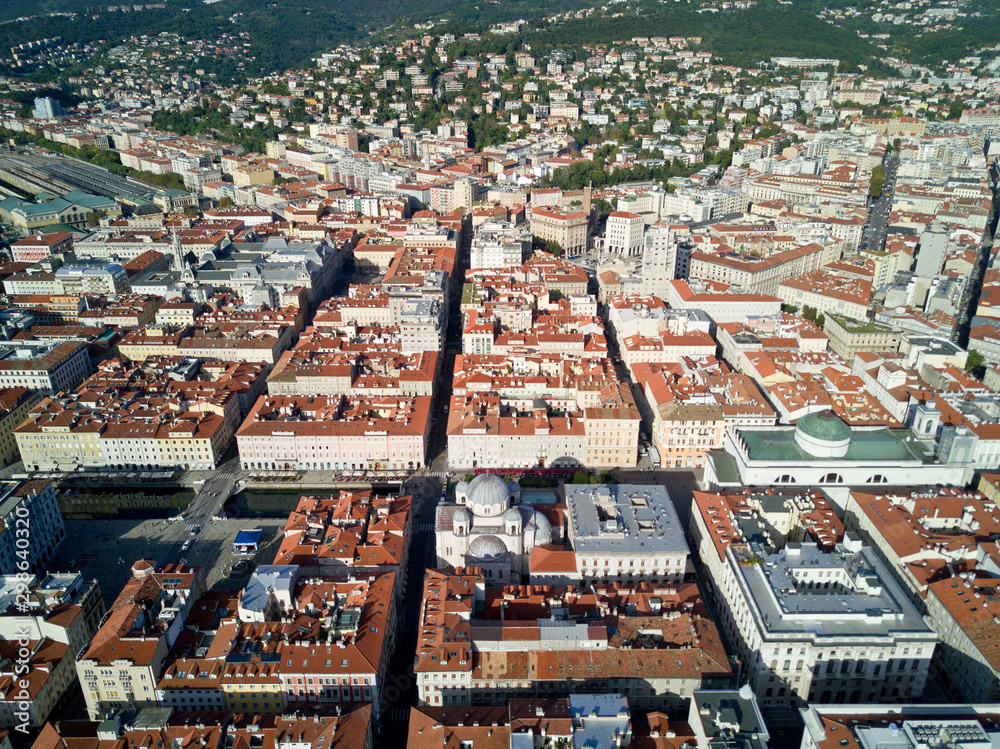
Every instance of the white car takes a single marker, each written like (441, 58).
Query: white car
(187, 544)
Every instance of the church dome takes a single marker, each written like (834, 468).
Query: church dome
(513, 515)
(823, 435)
(543, 529)
(461, 516)
(488, 495)
(487, 547)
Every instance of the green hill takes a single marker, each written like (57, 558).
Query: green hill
(737, 37)
(286, 34)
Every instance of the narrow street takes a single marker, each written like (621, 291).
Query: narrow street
(974, 288)
(401, 689)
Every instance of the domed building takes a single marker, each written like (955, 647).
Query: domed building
(823, 435)
(486, 527)
(823, 450)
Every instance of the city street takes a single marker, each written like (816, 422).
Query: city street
(880, 210)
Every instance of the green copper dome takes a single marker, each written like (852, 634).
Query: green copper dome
(825, 426)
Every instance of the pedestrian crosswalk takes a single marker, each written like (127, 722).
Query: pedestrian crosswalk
(425, 527)
(398, 715)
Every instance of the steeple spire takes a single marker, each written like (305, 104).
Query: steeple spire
(176, 250)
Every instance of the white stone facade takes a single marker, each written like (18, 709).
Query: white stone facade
(486, 528)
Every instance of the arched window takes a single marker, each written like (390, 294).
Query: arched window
(878, 478)
(785, 478)
(832, 478)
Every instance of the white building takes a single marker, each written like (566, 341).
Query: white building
(623, 235)
(918, 725)
(811, 625)
(484, 528)
(625, 533)
(659, 259)
(822, 450)
(499, 244)
(721, 306)
(421, 325)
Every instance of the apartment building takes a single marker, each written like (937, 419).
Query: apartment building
(648, 316)
(40, 246)
(580, 380)
(243, 341)
(71, 279)
(926, 536)
(32, 505)
(659, 259)
(666, 347)
(481, 646)
(720, 303)
(964, 611)
(499, 244)
(123, 662)
(684, 432)
(313, 369)
(269, 655)
(61, 606)
(716, 716)
(418, 317)
(44, 677)
(574, 722)
(540, 273)
(336, 136)
(756, 275)
(358, 533)
(15, 404)
(829, 292)
(142, 419)
(849, 336)
(692, 403)
(568, 229)
(61, 614)
(779, 338)
(50, 368)
(349, 730)
(335, 432)
(487, 430)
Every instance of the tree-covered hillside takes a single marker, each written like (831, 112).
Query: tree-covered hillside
(288, 33)
(284, 34)
(738, 37)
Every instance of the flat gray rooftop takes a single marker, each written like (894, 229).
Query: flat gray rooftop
(803, 589)
(625, 518)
